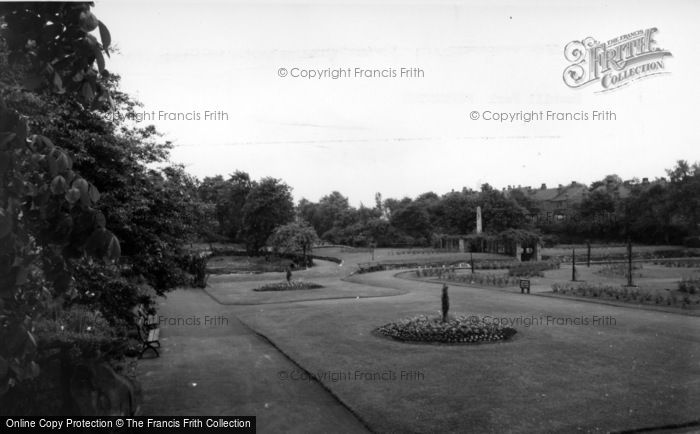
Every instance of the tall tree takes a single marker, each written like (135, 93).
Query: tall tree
(295, 237)
(268, 204)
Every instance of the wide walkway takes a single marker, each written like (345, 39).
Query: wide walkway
(211, 365)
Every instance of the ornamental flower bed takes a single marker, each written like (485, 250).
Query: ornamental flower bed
(462, 329)
(620, 269)
(449, 274)
(501, 281)
(628, 295)
(678, 264)
(288, 286)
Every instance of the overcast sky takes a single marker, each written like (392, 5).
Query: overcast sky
(405, 136)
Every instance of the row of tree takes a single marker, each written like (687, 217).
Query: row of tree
(663, 211)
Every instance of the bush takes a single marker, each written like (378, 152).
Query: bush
(102, 289)
(86, 333)
(464, 329)
(196, 265)
(692, 241)
(550, 240)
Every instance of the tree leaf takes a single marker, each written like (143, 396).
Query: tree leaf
(73, 195)
(82, 185)
(99, 58)
(98, 243)
(114, 250)
(87, 92)
(63, 162)
(58, 83)
(59, 185)
(105, 36)
(100, 220)
(93, 193)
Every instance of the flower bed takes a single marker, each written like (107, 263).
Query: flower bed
(532, 269)
(450, 275)
(483, 279)
(679, 264)
(462, 329)
(620, 269)
(625, 294)
(288, 286)
(690, 286)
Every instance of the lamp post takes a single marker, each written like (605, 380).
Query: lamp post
(588, 257)
(629, 262)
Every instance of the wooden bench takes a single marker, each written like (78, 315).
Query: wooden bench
(148, 332)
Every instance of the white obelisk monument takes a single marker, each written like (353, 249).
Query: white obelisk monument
(478, 220)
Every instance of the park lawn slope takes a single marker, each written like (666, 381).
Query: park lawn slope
(642, 371)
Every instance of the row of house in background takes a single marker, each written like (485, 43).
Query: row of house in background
(556, 204)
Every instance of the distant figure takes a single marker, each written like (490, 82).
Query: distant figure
(445, 303)
(288, 270)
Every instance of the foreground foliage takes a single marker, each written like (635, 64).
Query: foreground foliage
(84, 219)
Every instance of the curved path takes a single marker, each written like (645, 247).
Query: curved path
(642, 371)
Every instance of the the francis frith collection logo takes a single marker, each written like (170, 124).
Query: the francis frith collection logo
(614, 63)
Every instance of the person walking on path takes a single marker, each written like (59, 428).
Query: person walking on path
(288, 271)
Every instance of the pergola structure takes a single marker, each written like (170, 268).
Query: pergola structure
(521, 244)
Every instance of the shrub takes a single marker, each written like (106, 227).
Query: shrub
(84, 332)
(196, 265)
(692, 241)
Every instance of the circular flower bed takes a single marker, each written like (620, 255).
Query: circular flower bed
(462, 329)
(288, 286)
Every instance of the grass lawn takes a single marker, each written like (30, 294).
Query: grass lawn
(641, 371)
(246, 264)
(225, 291)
